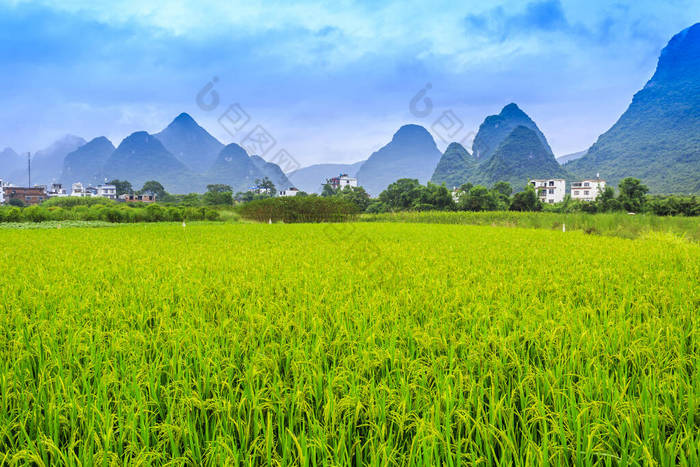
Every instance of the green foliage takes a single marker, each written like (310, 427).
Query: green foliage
(106, 211)
(632, 194)
(123, 187)
(266, 183)
(219, 188)
(72, 201)
(526, 200)
(328, 190)
(218, 195)
(503, 188)
(408, 194)
(291, 209)
(478, 198)
(152, 186)
(16, 202)
(356, 195)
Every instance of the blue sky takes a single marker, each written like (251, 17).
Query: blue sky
(329, 82)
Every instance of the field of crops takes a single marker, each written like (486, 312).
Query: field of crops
(618, 224)
(339, 344)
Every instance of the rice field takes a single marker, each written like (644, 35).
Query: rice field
(340, 344)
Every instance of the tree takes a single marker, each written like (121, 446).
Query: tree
(606, 202)
(192, 199)
(466, 187)
(632, 194)
(503, 188)
(328, 190)
(526, 200)
(437, 197)
(356, 195)
(219, 188)
(479, 198)
(404, 193)
(266, 183)
(123, 187)
(154, 187)
(216, 198)
(16, 202)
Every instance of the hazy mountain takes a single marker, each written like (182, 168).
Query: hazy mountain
(412, 153)
(271, 171)
(495, 128)
(657, 139)
(570, 157)
(47, 164)
(234, 167)
(10, 164)
(85, 163)
(190, 143)
(521, 156)
(311, 179)
(142, 157)
(456, 167)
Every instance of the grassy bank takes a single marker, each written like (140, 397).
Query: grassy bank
(616, 224)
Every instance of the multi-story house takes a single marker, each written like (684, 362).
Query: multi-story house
(341, 181)
(550, 190)
(587, 190)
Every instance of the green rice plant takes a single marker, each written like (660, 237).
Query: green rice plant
(614, 224)
(371, 343)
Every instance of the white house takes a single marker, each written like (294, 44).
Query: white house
(78, 190)
(551, 190)
(290, 192)
(587, 190)
(258, 190)
(341, 181)
(56, 190)
(107, 191)
(2, 192)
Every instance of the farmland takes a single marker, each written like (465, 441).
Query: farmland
(382, 343)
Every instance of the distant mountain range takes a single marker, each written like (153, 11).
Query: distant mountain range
(86, 163)
(657, 140)
(190, 143)
(184, 157)
(571, 157)
(511, 147)
(412, 153)
(496, 128)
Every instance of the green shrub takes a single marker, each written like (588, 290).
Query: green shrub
(299, 209)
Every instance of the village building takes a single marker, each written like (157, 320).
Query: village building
(131, 198)
(290, 192)
(56, 190)
(341, 181)
(551, 190)
(107, 191)
(587, 190)
(3, 185)
(28, 195)
(78, 190)
(258, 190)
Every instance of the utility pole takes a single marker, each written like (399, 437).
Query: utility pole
(29, 170)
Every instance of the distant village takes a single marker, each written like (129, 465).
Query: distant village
(549, 191)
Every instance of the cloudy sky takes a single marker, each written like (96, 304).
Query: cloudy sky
(328, 82)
